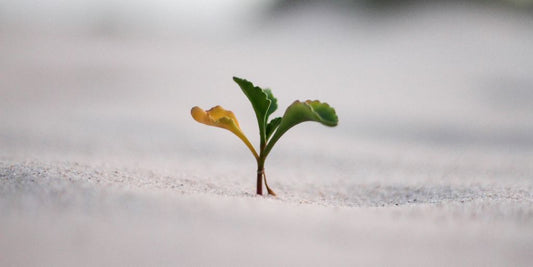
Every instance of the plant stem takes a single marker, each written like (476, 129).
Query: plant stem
(261, 169)
(270, 191)
(262, 176)
(260, 172)
(265, 150)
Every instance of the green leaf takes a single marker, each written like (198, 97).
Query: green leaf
(299, 112)
(273, 102)
(271, 126)
(326, 114)
(261, 100)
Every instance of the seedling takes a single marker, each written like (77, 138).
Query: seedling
(264, 104)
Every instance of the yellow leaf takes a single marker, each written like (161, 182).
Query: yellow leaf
(219, 117)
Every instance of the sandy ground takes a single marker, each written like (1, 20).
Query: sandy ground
(431, 164)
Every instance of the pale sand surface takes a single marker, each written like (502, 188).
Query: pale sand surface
(431, 164)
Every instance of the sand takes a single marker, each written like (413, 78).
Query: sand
(431, 164)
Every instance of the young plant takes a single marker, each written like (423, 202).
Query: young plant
(264, 104)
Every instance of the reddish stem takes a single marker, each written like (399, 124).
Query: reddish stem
(260, 180)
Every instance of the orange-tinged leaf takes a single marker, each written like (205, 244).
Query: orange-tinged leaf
(222, 118)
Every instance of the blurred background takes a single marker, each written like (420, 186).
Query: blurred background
(101, 162)
(117, 77)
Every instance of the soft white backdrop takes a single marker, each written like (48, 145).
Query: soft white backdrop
(101, 164)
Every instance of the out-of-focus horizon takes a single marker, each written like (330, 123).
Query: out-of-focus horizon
(205, 16)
